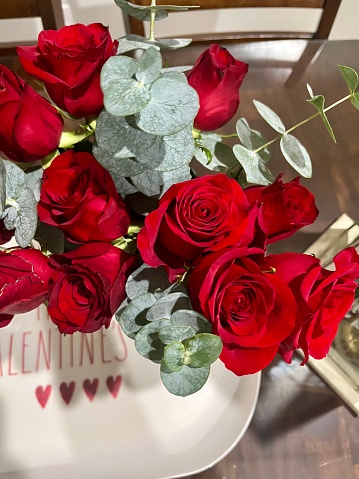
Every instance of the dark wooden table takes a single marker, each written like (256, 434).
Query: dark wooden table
(300, 428)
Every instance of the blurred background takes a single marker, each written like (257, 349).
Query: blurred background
(105, 11)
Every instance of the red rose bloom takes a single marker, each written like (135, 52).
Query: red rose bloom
(24, 282)
(88, 286)
(30, 127)
(323, 298)
(79, 196)
(283, 208)
(69, 62)
(193, 217)
(217, 77)
(252, 311)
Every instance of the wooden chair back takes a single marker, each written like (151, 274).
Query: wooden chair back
(50, 12)
(329, 10)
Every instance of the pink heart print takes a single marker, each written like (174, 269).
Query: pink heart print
(43, 394)
(114, 384)
(90, 388)
(67, 391)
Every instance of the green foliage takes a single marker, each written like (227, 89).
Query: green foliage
(133, 42)
(215, 155)
(252, 139)
(159, 317)
(186, 381)
(296, 155)
(350, 77)
(269, 116)
(255, 168)
(144, 137)
(355, 100)
(18, 200)
(318, 102)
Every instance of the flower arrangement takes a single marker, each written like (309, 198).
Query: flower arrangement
(112, 218)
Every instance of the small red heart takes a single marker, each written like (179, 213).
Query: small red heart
(43, 394)
(114, 384)
(90, 388)
(67, 391)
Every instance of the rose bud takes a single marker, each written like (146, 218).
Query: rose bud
(88, 286)
(216, 77)
(323, 298)
(79, 196)
(283, 208)
(30, 126)
(193, 217)
(251, 310)
(24, 278)
(69, 62)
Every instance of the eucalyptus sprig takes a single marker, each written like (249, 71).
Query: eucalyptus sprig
(253, 153)
(159, 317)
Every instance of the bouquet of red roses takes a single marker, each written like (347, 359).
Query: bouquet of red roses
(111, 217)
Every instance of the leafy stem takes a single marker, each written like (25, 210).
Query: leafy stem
(278, 137)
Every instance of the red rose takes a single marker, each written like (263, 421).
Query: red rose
(217, 77)
(251, 310)
(30, 127)
(282, 208)
(24, 280)
(79, 196)
(323, 298)
(88, 286)
(69, 62)
(193, 217)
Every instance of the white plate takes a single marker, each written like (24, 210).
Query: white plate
(139, 432)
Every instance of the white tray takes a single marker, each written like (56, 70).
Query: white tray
(140, 432)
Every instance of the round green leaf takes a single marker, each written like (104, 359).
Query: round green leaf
(26, 220)
(133, 317)
(168, 153)
(174, 355)
(117, 68)
(185, 317)
(204, 349)
(167, 304)
(149, 66)
(116, 164)
(172, 107)
(350, 76)
(184, 382)
(175, 333)
(251, 139)
(253, 165)
(147, 342)
(269, 116)
(126, 97)
(296, 155)
(146, 280)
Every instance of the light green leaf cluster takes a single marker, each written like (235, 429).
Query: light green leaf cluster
(144, 135)
(166, 330)
(19, 194)
(253, 153)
